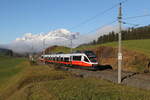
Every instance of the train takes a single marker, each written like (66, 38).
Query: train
(84, 60)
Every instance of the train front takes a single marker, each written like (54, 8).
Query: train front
(93, 59)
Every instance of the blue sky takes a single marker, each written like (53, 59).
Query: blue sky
(18, 17)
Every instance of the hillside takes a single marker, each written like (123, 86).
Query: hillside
(136, 53)
(56, 49)
(6, 52)
(137, 33)
(9, 67)
(141, 46)
(40, 82)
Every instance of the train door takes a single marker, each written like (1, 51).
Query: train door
(86, 62)
(71, 59)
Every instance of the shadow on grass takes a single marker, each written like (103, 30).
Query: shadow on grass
(129, 76)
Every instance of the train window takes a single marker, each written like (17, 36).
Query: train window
(57, 58)
(77, 58)
(93, 59)
(66, 59)
(61, 58)
(90, 53)
(85, 59)
(71, 57)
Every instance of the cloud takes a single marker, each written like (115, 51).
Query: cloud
(86, 38)
(37, 42)
(107, 29)
(29, 42)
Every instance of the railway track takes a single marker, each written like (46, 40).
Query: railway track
(138, 80)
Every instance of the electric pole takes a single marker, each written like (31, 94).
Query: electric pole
(119, 44)
(43, 46)
(71, 47)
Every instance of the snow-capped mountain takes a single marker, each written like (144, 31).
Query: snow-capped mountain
(60, 33)
(36, 42)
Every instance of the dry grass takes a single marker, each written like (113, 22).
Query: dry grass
(31, 74)
(41, 82)
(79, 89)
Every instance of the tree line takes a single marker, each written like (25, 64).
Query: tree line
(129, 34)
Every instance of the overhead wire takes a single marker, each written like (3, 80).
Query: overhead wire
(101, 13)
(133, 17)
(124, 22)
(98, 28)
(130, 23)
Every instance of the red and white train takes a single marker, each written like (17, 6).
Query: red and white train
(86, 60)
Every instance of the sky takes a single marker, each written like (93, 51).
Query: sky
(18, 17)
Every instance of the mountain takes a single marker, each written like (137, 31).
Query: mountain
(6, 52)
(37, 42)
(30, 42)
(60, 33)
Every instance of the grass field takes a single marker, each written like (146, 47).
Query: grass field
(60, 49)
(9, 67)
(21, 81)
(142, 46)
(40, 82)
(80, 89)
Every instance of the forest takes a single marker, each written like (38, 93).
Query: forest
(128, 34)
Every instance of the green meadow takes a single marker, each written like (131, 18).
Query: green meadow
(141, 46)
(21, 81)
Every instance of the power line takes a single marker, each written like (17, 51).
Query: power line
(134, 17)
(137, 16)
(130, 23)
(102, 26)
(101, 13)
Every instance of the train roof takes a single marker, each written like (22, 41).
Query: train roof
(64, 55)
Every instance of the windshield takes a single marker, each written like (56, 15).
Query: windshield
(90, 54)
(92, 59)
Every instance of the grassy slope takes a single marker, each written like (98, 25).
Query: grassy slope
(9, 67)
(142, 46)
(79, 89)
(60, 49)
(26, 74)
(45, 83)
(91, 89)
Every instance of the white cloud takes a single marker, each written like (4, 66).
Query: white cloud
(107, 29)
(86, 38)
(34, 42)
